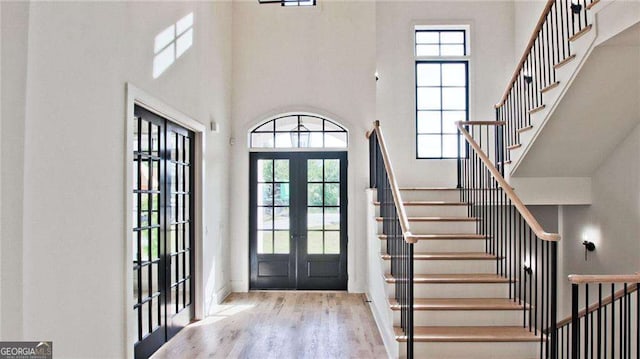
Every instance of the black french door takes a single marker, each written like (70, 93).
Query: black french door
(162, 230)
(298, 220)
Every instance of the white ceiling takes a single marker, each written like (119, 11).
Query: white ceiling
(598, 111)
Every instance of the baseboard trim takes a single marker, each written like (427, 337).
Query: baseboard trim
(388, 337)
(222, 294)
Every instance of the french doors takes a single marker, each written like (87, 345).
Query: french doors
(298, 220)
(163, 230)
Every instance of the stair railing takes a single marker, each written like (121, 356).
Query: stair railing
(561, 22)
(395, 226)
(527, 255)
(608, 327)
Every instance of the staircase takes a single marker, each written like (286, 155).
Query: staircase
(461, 307)
(559, 47)
(456, 263)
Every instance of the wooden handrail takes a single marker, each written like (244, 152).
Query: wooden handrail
(619, 278)
(524, 211)
(527, 50)
(593, 307)
(395, 190)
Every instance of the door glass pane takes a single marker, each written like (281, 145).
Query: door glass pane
(145, 318)
(331, 242)
(265, 170)
(265, 242)
(314, 218)
(314, 242)
(144, 241)
(314, 170)
(281, 220)
(187, 244)
(155, 244)
(314, 194)
(332, 170)
(155, 140)
(331, 194)
(265, 217)
(281, 242)
(144, 136)
(281, 194)
(265, 194)
(281, 170)
(145, 281)
(332, 218)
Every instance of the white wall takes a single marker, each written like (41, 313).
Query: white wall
(491, 66)
(612, 222)
(80, 57)
(526, 16)
(320, 60)
(15, 19)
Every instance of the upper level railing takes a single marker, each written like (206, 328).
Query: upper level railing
(561, 23)
(526, 253)
(607, 327)
(395, 229)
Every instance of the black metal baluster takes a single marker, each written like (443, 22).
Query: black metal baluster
(599, 319)
(574, 321)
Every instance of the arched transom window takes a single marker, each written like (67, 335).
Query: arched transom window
(298, 131)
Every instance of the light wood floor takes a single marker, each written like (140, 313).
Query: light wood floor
(282, 325)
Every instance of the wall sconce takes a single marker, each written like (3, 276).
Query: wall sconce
(377, 76)
(527, 269)
(527, 77)
(575, 6)
(588, 247)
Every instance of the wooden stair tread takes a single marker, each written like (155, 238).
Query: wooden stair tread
(564, 62)
(537, 109)
(447, 236)
(438, 219)
(579, 34)
(448, 256)
(524, 129)
(452, 278)
(460, 304)
(470, 334)
(550, 87)
(428, 203)
(513, 147)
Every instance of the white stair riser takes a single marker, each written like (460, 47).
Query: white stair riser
(433, 211)
(463, 317)
(449, 196)
(449, 266)
(439, 227)
(484, 350)
(445, 245)
(456, 290)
